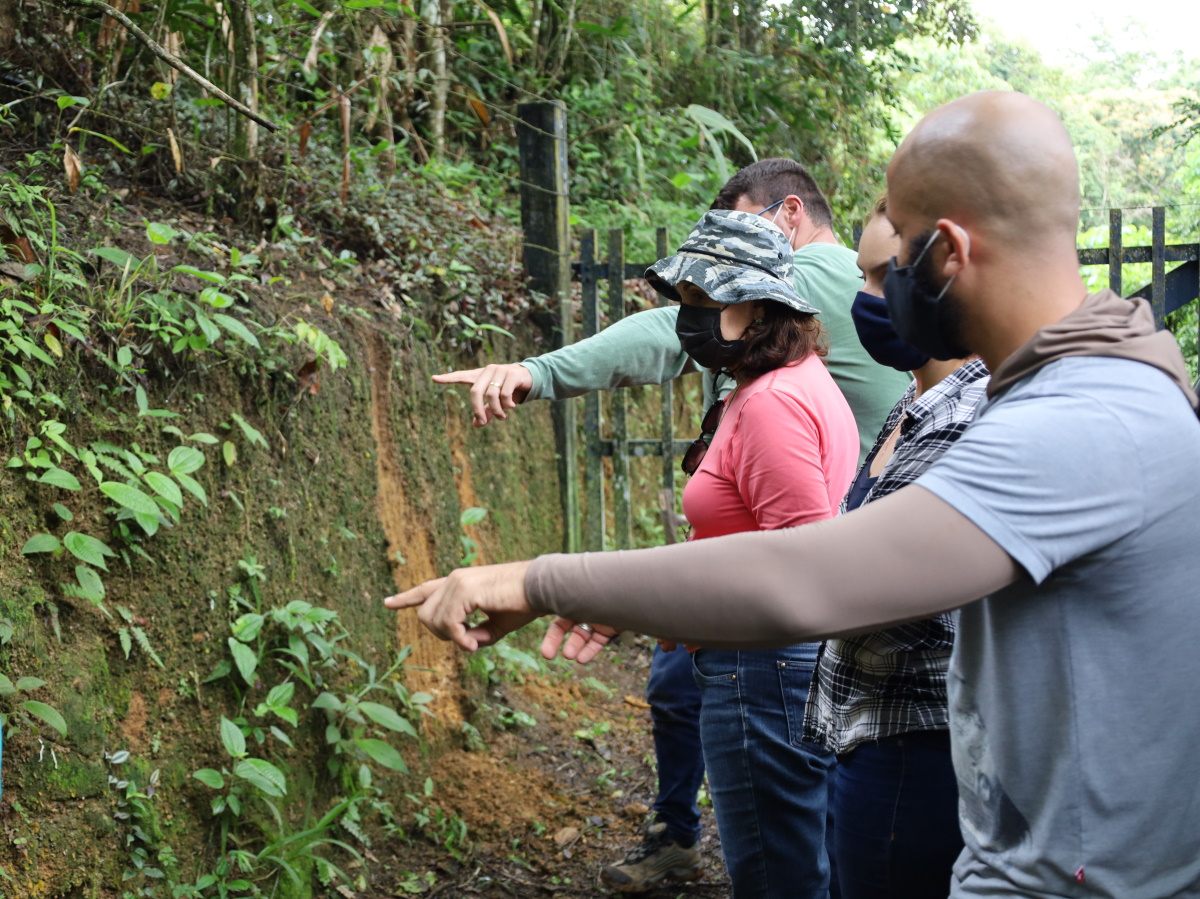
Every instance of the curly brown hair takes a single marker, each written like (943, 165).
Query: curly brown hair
(783, 336)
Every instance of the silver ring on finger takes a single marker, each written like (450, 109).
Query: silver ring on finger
(586, 628)
(495, 384)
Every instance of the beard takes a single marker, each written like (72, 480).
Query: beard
(951, 310)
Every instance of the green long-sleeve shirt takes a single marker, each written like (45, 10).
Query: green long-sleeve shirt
(643, 349)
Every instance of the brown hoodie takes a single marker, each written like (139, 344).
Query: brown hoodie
(773, 588)
(1104, 325)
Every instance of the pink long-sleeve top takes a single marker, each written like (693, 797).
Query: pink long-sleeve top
(784, 455)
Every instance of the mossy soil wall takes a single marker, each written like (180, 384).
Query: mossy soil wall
(359, 493)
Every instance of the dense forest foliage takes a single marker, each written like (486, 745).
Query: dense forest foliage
(664, 98)
(357, 98)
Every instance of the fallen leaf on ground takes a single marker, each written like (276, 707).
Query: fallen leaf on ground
(566, 835)
(176, 153)
(636, 703)
(307, 377)
(73, 167)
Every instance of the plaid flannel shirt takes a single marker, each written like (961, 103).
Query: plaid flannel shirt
(893, 681)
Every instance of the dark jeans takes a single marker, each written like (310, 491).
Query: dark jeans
(675, 716)
(770, 789)
(895, 818)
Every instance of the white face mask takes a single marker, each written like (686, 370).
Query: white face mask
(792, 236)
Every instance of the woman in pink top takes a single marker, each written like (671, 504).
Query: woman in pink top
(781, 452)
(779, 457)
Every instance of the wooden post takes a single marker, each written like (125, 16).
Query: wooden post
(622, 503)
(1158, 264)
(593, 525)
(1116, 252)
(545, 216)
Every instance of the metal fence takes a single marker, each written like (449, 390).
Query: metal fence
(548, 260)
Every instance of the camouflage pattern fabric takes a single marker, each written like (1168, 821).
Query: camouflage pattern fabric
(734, 257)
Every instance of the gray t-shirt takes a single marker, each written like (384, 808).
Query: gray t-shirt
(1074, 720)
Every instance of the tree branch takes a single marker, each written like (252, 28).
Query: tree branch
(176, 63)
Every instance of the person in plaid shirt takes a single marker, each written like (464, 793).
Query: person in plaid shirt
(878, 700)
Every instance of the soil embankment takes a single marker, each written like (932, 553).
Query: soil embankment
(560, 791)
(329, 487)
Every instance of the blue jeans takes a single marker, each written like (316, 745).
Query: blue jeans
(770, 789)
(895, 818)
(675, 717)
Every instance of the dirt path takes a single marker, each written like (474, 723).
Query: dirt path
(545, 804)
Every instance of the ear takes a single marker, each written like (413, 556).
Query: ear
(792, 211)
(958, 247)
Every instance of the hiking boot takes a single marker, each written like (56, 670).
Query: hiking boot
(659, 859)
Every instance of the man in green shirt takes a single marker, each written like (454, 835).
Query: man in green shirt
(644, 349)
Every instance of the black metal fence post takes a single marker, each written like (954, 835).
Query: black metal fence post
(1158, 264)
(1116, 251)
(666, 496)
(622, 503)
(545, 218)
(593, 519)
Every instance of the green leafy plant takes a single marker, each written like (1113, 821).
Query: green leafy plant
(470, 548)
(359, 729)
(133, 631)
(447, 831)
(28, 713)
(151, 861)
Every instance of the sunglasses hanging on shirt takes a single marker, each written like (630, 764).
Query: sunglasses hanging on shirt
(696, 452)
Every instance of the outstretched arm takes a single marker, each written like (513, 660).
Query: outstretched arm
(762, 589)
(639, 349)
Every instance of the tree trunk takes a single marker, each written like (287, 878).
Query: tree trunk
(565, 45)
(722, 29)
(535, 35)
(244, 53)
(408, 49)
(436, 13)
(750, 25)
(10, 23)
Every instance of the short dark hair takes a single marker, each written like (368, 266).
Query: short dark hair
(770, 180)
(785, 335)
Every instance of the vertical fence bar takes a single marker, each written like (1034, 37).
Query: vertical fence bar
(542, 148)
(666, 496)
(1158, 263)
(622, 511)
(593, 520)
(1116, 251)
(668, 395)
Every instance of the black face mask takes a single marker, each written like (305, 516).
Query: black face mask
(699, 331)
(929, 322)
(879, 338)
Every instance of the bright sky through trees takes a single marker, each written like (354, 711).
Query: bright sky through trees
(1062, 28)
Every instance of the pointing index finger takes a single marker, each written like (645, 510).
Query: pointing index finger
(462, 376)
(415, 596)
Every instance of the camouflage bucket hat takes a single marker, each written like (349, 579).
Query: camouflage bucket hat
(734, 257)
